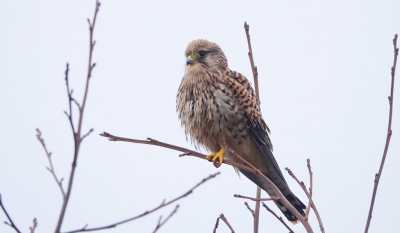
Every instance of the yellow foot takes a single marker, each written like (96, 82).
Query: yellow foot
(216, 158)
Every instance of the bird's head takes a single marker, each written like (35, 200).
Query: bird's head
(202, 55)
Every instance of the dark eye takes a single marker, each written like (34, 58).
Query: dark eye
(202, 53)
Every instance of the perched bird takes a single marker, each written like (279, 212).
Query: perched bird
(219, 110)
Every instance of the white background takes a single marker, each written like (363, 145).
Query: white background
(324, 71)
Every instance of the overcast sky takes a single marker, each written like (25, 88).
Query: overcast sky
(324, 71)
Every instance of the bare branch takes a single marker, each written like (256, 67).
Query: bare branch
(163, 204)
(87, 134)
(34, 226)
(77, 134)
(248, 207)
(257, 199)
(311, 186)
(226, 222)
(76, 103)
(253, 67)
(282, 198)
(90, 66)
(249, 168)
(279, 218)
(257, 211)
(216, 226)
(11, 224)
(388, 136)
(70, 99)
(302, 185)
(255, 76)
(186, 152)
(51, 169)
(162, 223)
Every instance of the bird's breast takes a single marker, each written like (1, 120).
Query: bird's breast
(209, 113)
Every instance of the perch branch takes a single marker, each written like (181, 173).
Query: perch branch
(159, 224)
(51, 169)
(163, 204)
(248, 168)
(279, 218)
(388, 136)
(11, 224)
(186, 152)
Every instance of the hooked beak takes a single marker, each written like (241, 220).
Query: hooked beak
(190, 60)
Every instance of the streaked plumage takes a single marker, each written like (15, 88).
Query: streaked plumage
(219, 109)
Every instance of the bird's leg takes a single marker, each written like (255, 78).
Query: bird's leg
(214, 156)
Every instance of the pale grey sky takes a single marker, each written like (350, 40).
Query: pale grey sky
(324, 70)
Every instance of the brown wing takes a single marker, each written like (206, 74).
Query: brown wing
(244, 94)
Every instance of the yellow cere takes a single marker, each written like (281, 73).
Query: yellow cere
(190, 56)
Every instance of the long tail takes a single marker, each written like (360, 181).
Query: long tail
(262, 148)
(286, 192)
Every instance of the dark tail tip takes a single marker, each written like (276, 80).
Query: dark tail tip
(296, 203)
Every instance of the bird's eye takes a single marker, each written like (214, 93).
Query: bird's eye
(202, 53)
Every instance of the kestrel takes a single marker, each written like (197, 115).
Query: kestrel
(219, 110)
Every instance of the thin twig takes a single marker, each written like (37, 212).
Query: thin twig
(186, 152)
(216, 225)
(70, 99)
(77, 134)
(163, 204)
(311, 186)
(34, 226)
(248, 207)
(253, 67)
(303, 186)
(77, 104)
(389, 135)
(298, 181)
(279, 218)
(159, 224)
(226, 222)
(11, 224)
(87, 134)
(51, 169)
(257, 199)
